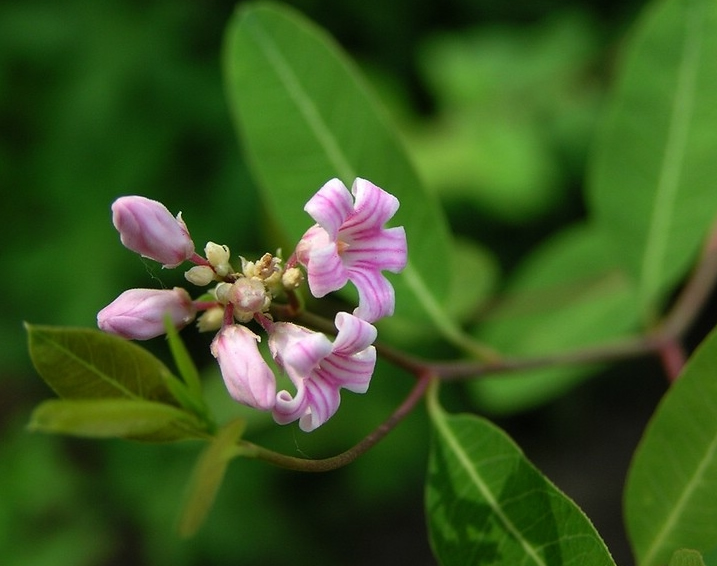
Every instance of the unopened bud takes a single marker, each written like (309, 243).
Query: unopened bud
(222, 292)
(249, 296)
(246, 375)
(200, 275)
(148, 228)
(248, 268)
(138, 314)
(218, 257)
(211, 319)
(292, 278)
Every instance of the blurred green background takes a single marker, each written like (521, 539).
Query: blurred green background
(497, 102)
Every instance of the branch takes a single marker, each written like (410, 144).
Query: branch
(664, 340)
(248, 449)
(695, 293)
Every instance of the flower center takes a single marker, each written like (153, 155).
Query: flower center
(341, 246)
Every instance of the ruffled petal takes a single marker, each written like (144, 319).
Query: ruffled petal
(383, 250)
(297, 350)
(323, 401)
(351, 372)
(326, 271)
(315, 402)
(376, 295)
(320, 369)
(314, 237)
(354, 334)
(373, 206)
(330, 206)
(287, 409)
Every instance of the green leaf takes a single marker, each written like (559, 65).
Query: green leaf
(569, 293)
(671, 493)
(475, 277)
(208, 475)
(487, 504)
(686, 558)
(184, 362)
(710, 557)
(107, 418)
(652, 188)
(189, 392)
(305, 115)
(80, 363)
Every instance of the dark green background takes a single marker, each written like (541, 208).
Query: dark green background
(101, 99)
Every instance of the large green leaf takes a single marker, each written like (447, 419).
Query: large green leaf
(671, 493)
(487, 504)
(80, 363)
(305, 116)
(568, 294)
(652, 187)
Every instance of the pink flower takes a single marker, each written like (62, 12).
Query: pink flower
(247, 377)
(138, 314)
(319, 369)
(148, 228)
(349, 242)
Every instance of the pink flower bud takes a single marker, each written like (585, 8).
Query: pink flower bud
(249, 296)
(247, 377)
(148, 228)
(138, 314)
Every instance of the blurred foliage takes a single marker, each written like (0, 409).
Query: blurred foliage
(515, 108)
(100, 99)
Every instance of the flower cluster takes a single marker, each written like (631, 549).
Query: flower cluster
(349, 242)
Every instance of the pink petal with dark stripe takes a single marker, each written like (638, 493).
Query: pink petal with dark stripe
(319, 369)
(350, 243)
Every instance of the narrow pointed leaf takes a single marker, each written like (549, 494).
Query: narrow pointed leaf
(671, 493)
(189, 391)
(652, 188)
(208, 475)
(487, 504)
(686, 558)
(305, 116)
(80, 363)
(108, 418)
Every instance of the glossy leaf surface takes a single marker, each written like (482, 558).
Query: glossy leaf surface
(305, 116)
(487, 504)
(671, 493)
(79, 363)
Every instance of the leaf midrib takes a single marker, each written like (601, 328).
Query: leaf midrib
(668, 183)
(465, 462)
(342, 164)
(677, 510)
(113, 383)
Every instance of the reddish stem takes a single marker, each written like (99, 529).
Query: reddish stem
(673, 358)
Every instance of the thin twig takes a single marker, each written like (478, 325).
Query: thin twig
(248, 449)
